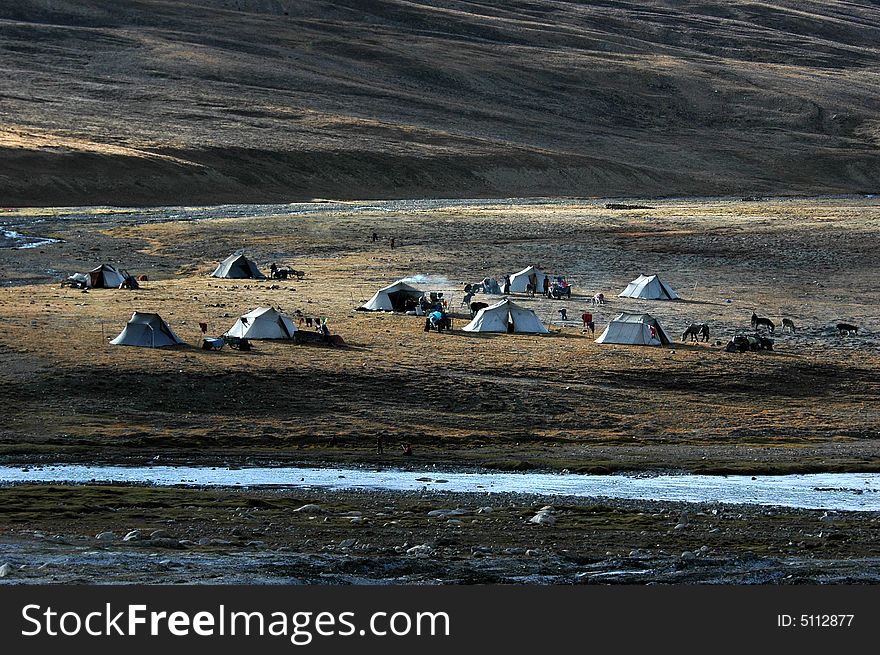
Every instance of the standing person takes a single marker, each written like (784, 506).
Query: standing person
(379, 449)
(533, 284)
(506, 284)
(392, 243)
(375, 236)
(547, 285)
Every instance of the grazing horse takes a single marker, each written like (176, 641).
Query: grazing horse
(788, 324)
(477, 306)
(599, 299)
(697, 332)
(758, 321)
(846, 328)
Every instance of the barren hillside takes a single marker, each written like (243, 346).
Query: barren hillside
(157, 102)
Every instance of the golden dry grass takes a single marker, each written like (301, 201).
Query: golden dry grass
(503, 400)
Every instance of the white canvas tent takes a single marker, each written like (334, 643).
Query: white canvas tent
(506, 316)
(391, 298)
(237, 266)
(518, 281)
(634, 330)
(147, 331)
(263, 323)
(649, 287)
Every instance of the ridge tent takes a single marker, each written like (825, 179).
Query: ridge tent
(649, 287)
(391, 298)
(518, 281)
(634, 330)
(148, 331)
(105, 276)
(263, 323)
(237, 266)
(506, 316)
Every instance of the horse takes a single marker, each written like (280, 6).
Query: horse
(846, 328)
(697, 332)
(599, 299)
(788, 324)
(477, 306)
(758, 321)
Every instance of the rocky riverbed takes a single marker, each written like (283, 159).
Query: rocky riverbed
(113, 534)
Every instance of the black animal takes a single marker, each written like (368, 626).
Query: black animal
(697, 332)
(764, 343)
(477, 306)
(846, 328)
(758, 321)
(788, 324)
(746, 342)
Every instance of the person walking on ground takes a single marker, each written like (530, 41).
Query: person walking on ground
(379, 449)
(392, 243)
(375, 236)
(506, 285)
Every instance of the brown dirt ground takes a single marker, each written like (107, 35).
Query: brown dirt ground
(552, 402)
(557, 401)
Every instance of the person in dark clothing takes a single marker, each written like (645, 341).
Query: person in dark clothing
(392, 243)
(375, 236)
(506, 285)
(379, 449)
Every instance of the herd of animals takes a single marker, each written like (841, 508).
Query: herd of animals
(699, 332)
(758, 341)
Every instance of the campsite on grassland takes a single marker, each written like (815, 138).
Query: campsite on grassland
(504, 401)
(508, 401)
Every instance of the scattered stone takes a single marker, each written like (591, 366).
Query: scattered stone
(544, 516)
(680, 526)
(311, 508)
(5, 570)
(447, 512)
(485, 510)
(159, 534)
(453, 522)
(357, 520)
(347, 543)
(166, 542)
(105, 536)
(531, 552)
(134, 535)
(688, 556)
(422, 550)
